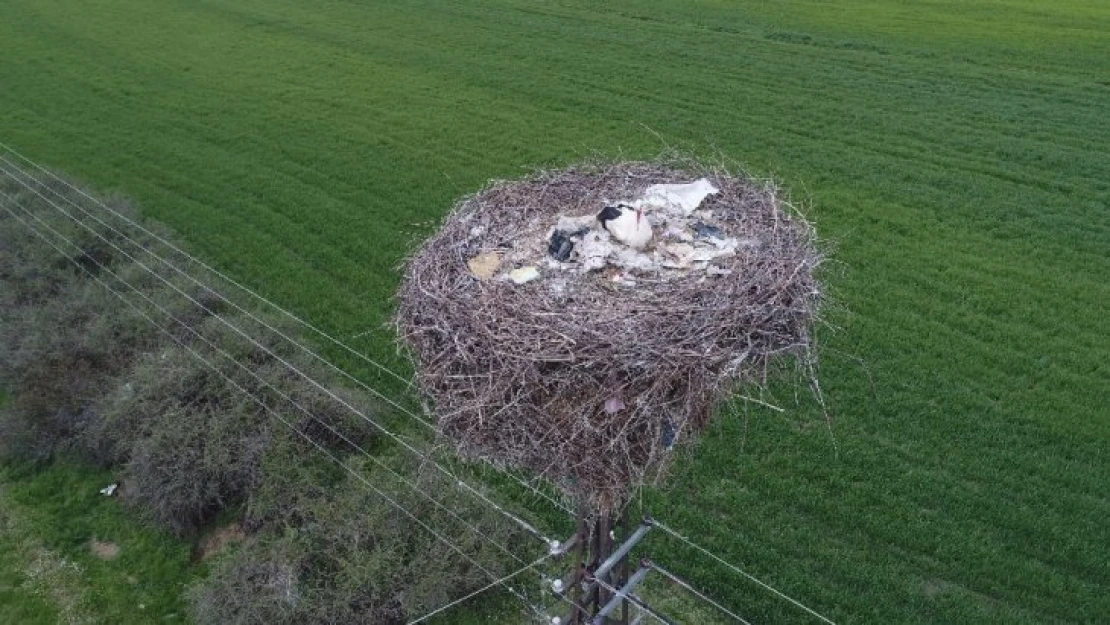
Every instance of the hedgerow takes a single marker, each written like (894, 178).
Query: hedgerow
(63, 337)
(192, 422)
(203, 411)
(347, 555)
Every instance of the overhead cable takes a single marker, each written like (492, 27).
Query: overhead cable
(244, 391)
(404, 410)
(462, 484)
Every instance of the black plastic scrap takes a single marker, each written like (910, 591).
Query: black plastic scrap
(705, 231)
(560, 246)
(669, 434)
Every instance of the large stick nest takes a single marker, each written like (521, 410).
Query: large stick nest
(587, 381)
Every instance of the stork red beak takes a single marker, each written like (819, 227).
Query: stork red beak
(639, 215)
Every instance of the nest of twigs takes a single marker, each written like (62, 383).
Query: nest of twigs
(592, 383)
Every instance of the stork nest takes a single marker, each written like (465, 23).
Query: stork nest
(586, 381)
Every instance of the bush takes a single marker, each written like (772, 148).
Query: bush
(349, 556)
(258, 585)
(191, 442)
(63, 337)
(89, 375)
(195, 446)
(31, 269)
(59, 356)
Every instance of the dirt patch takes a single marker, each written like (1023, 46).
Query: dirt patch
(104, 551)
(215, 541)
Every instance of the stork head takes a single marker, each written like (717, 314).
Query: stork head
(609, 213)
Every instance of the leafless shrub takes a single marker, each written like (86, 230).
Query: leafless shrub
(89, 374)
(62, 340)
(349, 556)
(30, 269)
(92, 375)
(192, 433)
(63, 337)
(257, 583)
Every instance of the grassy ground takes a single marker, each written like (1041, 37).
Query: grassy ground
(955, 152)
(50, 522)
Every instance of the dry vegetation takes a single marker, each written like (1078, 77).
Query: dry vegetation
(520, 374)
(182, 419)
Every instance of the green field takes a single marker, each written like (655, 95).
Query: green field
(49, 573)
(956, 155)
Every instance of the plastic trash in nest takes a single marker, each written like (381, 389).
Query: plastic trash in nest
(558, 287)
(682, 198)
(614, 404)
(594, 251)
(676, 232)
(562, 238)
(621, 278)
(679, 255)
(483, 266)
(669, 236)
(703, 230)
(575, 226)
(669, 435)
(703, 254)
(560, 246)
(524, 274)
(631, 259)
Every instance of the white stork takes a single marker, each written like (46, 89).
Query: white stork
(627, 224)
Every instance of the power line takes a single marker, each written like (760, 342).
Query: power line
(280, 393)
(242, 390)
(637, 601)
(742, 573)
(552, 551)
(223, 298)
(478, 592)
(255, 295)
(700, 595)
(207, 267)
(458, 481)
(284, 396)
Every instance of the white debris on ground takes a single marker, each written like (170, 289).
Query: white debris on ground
(685, 239)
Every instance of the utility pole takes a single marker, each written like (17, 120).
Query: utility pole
(599, 567)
